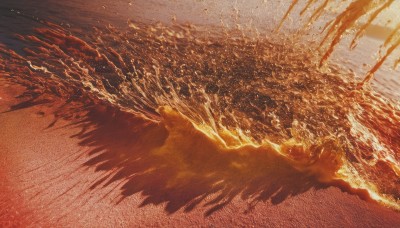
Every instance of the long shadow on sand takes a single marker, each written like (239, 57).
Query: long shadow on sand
(183, 171)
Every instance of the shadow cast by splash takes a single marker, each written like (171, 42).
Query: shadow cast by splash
(170, 162)
(182, 167)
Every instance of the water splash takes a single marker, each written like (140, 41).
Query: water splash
(354, 19)
(235, 93)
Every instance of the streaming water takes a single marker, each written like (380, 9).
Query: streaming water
(226, 91)
(354, 19)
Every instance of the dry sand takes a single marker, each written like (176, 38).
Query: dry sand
(45, 179)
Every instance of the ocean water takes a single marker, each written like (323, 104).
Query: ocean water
(213, 79)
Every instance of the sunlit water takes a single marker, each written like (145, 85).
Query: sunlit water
(219, 88)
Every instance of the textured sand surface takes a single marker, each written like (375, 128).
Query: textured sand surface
(44, 182)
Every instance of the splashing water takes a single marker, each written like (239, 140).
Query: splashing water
(354, 19)
(225, 92)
